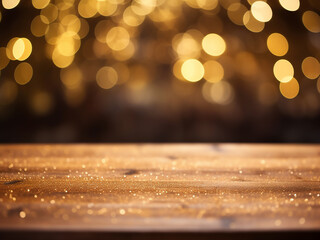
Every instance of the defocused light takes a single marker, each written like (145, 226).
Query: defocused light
(9, 4)
(23, 73)
(290, 5)
(71, 77)
(251, 23)
(10, 48)
(38, 27)
(186, 46)
(176, 69)
(221, 92)
(283, 70)
(261, 11)
(213, 71)
(22, 49)
(131, 18)
(207, 4)
(49, 13)
(106, 7)
(106, 77)
(236, 12)
(4, 60)
(192, 70)
(310, 67)
(84, 29)
(118, 38)
(143, 7)
(87, 8)
(39, 4)
(311, 21)
(125, 53)
(277, 44)
(60, 60)
(289, 89)
(213, 44)
(68, 43)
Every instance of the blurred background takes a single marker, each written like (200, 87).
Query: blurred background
(159, 71)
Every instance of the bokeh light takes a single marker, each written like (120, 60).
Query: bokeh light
(192, 70)
(289, 89)
(310, 67)
(213, 44)
(277, 44)
(261, 11)
(23, 73)
(283, 70)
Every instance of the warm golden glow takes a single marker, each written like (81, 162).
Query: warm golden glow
(60, 60)
(186, 46)
(131, 18)
(311, 20)
(38, 27)
(311, 67)
(289, 89)
(290, 5)
(261, 11)
(4, 60)
(40, 4)
(49, 14)
(236, 12)
(283, 70)
(106, 7)
(277, 44)
(213, 71)
(251, 23)
(10, 4)
(22, 49)
(106, 77)
(192, 70)
(213, 44)
(71, 77)
(118, 38)
(23, 73)
(87, 8)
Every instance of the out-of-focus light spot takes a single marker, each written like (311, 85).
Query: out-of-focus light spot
(23, 73)
(101, 29)
(311, 20)
(310, 67)
(251, 23)
(41, 103)
(192, 70)
(118, 38)
(125, 53)
(236, 12)
(68, 43)
(106, 8)
(283, 70)
(176, 69)
(53, 33)
(38, 27)
(49, 13)
(87, 8)
(60, 60)
(131, 18)
(22, 214)
(290, 5)
(84, 29)
(207, 4)
(289, 89)
(220, 93)
(213, 44)
(106, 77)
(213, 71)
(10, 4)
(71, 22)
(186, 46)
(143, 7)
(277, 44)
(4, 60)
(40, 4)
(261, 11)
(71, 77)
(10, 48)
(22, 49)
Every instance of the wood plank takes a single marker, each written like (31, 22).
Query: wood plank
(160, 187)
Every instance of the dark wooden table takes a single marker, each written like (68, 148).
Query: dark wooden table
(159, 188)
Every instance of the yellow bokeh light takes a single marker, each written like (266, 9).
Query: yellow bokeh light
(277, 44)
(10, 4)
(68, 43)
(106, 8)
(192, 70)
(236, 12)
(126, 53)
(221, 93)
(131, 18)
(213, 44)
(71, 77)
(49, 13)
(311, 67)
(23, 73)
(60, 60)
(311, 20)
(38, 27)
(251, 23)
(290, 5)
(87, 8)
(106, 77)
(10, 48)
(289, 89)
(22, 49)
(213, 71)
(118, 38)
(283, 70)
(40, 4)
(186, 46)
(261, 11)
(4, 60)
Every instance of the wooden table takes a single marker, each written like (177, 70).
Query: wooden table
(164, 188)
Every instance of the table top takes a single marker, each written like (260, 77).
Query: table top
(160, 187)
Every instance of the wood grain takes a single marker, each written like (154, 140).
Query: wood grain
(160, 187)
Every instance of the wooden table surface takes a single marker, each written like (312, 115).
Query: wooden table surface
(160, 187)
